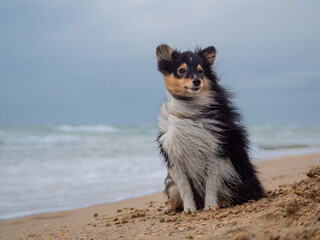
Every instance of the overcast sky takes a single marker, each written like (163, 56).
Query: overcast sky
(87, 61)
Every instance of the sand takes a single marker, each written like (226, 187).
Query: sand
(291, 211)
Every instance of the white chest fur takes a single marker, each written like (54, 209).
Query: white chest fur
(192, 149)
(190, 146)
(186, 140)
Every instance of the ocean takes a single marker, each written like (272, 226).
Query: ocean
(47, 168)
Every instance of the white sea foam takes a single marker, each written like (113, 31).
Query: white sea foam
(87, 128)
(41, 141)
(2, 133)
(50, 140)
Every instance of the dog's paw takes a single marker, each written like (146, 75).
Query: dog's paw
(210, 204)
(168, 210)
(225, 204)
(211, 207)
(188, 211)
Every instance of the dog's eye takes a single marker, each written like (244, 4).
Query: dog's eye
(181, 71)
(200, 71)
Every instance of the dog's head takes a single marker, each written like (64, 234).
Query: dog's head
(186, 74)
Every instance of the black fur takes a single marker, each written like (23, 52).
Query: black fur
(235, 145)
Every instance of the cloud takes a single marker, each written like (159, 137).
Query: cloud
(285, 81)
(105, 50)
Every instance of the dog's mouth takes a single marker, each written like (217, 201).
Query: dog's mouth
(193, 88)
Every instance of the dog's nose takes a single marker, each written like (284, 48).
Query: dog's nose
(196, 82)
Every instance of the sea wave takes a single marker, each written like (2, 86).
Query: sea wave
(277, 137)
(87, 128)
(287, 146)
(2, 137)
(80, 163)
(47, 140)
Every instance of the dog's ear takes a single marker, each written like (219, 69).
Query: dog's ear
(164, 52)
(209, 55)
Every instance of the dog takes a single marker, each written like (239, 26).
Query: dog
(201, 138)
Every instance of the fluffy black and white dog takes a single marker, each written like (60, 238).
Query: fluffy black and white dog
(203, 143)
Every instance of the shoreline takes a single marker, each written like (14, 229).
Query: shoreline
(273, 173)
(147, 194)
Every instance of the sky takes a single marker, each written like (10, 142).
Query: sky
(81, 61)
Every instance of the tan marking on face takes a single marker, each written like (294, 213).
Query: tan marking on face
(183, 66)
(206, 85)
(178, 86)
(206, 82)
(199, 67)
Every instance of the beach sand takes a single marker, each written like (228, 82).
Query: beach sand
(291, 211)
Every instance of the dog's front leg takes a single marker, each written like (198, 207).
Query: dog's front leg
(212, 185)
(185, 190)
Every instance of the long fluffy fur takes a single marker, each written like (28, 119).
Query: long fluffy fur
(206, 152)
